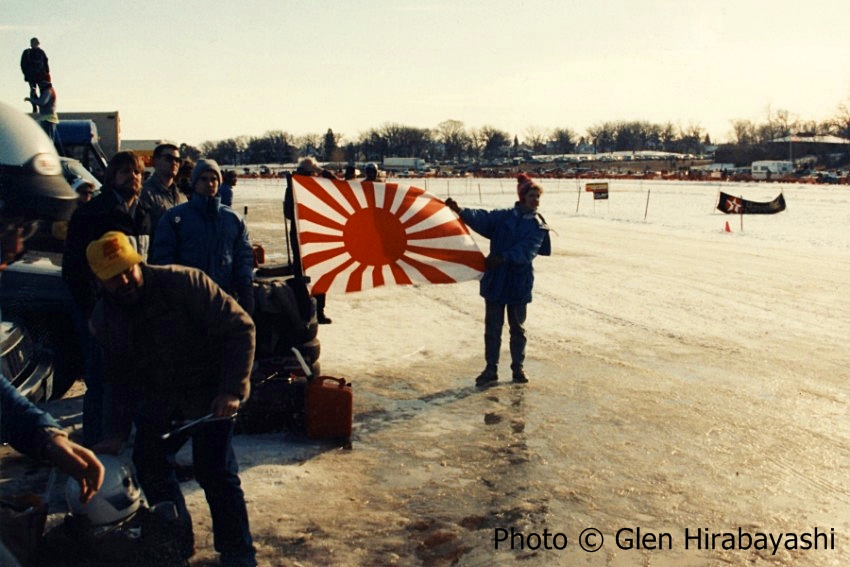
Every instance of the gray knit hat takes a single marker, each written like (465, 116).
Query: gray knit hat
(202, 166)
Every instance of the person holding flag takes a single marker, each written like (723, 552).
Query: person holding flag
(517, 235)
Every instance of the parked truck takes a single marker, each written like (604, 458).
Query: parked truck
(108, 128)
(405, 164)
(80, 140)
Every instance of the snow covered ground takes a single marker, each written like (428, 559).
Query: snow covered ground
(682, 378)
(684, 381)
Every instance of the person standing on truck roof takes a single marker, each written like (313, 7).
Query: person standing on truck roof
(117, 207)
(176, 347)
(208, 235)
(35, 68)
(160, 191)
(46, 114)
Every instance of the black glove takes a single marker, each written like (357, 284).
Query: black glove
(452, 204)
(493, 261)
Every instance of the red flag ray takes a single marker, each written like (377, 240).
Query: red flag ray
(449, 228)
(470, 259)
(431, 273)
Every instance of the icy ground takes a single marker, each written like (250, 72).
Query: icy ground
(681, 378)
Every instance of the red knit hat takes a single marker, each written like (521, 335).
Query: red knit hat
(525, 184)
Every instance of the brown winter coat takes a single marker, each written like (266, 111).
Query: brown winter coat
(185, 342)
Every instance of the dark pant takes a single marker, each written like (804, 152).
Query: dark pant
(94, 397)
(215, 470)
(494, 320)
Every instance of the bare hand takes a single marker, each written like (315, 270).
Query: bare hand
(225, 405)
(79, 463)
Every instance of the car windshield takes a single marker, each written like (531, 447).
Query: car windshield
(73, 170)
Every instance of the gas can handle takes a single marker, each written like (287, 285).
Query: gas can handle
(339, 381)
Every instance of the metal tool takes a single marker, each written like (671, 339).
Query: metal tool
(307, 371)
(194, 423)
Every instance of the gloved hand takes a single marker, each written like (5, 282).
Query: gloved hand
(493, 261)
(452, 204)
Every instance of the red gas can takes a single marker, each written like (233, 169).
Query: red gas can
(329, 408)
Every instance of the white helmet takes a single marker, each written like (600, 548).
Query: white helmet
(118, 499)
(31, 181)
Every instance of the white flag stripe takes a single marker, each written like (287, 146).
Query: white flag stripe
(450, 268)
(418, 204)
(441, 217)
(416, 276)
(307, 226)
(319, 207)
(442, 243)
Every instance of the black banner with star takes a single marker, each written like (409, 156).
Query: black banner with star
(732, 205)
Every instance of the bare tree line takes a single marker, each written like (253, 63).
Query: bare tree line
(452, 142)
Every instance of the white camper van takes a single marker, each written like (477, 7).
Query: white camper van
(771, 169)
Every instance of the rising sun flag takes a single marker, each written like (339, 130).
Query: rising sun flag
(359, 235)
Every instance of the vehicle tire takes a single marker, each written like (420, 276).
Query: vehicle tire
(57, 340)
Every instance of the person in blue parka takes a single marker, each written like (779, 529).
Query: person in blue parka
(517, 235)
(208, 235)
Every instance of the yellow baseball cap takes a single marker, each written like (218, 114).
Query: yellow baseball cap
(111, 255)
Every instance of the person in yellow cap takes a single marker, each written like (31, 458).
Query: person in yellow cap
(182, 348)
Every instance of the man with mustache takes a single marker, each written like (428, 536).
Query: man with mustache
(117, 208)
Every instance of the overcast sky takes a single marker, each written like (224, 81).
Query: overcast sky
(191, 71)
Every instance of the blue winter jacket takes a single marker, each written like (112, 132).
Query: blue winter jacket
(207, 235)
(516, 237)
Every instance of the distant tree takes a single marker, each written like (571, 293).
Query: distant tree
(273, 147)
(228, 151)
(602, 137)
(535, 138)
(309, 145)
(690, 138)
(744, 132)
(191, 152)
(453, 136)
(840, 123)
(329, 148)
(495, 143)
(373, 146)
(406, 141)
(563, 141)
(667, 136)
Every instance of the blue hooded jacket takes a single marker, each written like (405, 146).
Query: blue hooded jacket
(515, 236)
(207, 235)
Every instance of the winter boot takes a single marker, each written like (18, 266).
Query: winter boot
(519, 376)
(488, 377)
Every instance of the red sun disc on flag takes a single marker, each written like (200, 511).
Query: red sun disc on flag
(355, 236)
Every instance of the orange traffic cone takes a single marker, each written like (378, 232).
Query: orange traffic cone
(727, 227)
